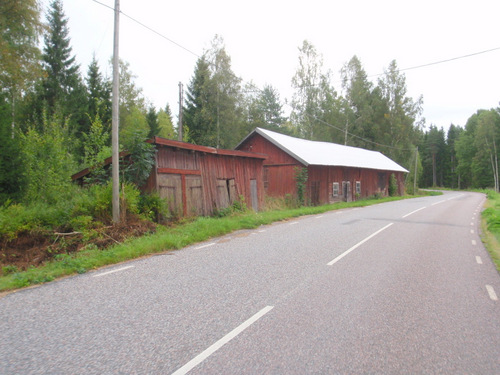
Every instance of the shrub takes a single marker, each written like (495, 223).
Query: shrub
(153, 207)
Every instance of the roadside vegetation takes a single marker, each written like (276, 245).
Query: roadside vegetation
(89, 246)
(491, 226)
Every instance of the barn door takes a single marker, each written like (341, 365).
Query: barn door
(194, 196)
(170, 188)
(346, 191)
(222, 200)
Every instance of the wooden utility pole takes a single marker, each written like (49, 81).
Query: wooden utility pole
(115, 119)
(415, 176)
(181, 104)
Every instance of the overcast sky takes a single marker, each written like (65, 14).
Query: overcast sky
(262, 38)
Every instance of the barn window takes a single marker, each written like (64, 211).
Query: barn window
(358, 187)
(335, 189)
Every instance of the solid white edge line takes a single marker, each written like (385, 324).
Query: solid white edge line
(491, 293)
(216, 346)
(357, 245)
(113, 271)
(203, 246)
(411, 213)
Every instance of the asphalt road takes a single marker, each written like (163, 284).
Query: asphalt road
(401, 287)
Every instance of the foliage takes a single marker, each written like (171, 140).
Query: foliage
(266, 110)
(48, 162)
(213, 110)
(96, 151)
(491, 226)
(20, 27)
(62, 90)
(137, 167)
(301, 184)
(165, 123)
(11, 166)
(393, 186)
(99, 94)
(154, 208)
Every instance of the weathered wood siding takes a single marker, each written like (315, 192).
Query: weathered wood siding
(197, 180)
(279, 167)
(353, 183)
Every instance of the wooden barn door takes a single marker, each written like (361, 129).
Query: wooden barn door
(194, 196)
(346, 191)
(315, 193)
(170, 188)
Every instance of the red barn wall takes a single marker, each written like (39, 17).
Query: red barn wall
(198, 183)
(279, 176)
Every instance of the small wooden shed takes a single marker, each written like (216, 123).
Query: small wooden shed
(335, 172)
(198, 180)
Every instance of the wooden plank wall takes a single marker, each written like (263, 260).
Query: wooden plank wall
(207, 181)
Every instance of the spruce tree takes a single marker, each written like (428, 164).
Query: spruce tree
(99, 94)
(197, 114)
(152, 119)
(62, 90)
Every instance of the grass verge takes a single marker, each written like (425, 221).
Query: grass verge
(490, 226)
(165, 239)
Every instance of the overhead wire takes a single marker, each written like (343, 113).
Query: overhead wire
(317, 119)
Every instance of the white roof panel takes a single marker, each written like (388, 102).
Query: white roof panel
(330, 154)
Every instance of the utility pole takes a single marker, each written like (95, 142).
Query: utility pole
(415, 177)
(115, 119)
(181, 104)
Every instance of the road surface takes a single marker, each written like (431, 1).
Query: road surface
(401, 287)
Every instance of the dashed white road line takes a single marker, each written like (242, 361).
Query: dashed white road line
(473, 242)
(212, 349)
(113, 271)
(491, 293)
(479, 260)
(435, 203)
(293, 223)
(357, 245)
(206, 245)
(411, 213)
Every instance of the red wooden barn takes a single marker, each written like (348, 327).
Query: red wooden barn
(335, 172)
(198, 180)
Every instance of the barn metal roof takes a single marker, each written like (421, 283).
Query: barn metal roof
(328, 154)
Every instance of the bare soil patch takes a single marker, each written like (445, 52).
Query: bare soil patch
(31, 249)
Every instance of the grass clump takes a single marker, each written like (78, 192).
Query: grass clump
(491, 226)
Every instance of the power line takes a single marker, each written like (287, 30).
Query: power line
(441, 61)
(150, 29)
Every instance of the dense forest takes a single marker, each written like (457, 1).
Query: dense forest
(55, 116)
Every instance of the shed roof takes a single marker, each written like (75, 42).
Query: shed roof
(326, 153)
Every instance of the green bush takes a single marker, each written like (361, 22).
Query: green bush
(153, 207)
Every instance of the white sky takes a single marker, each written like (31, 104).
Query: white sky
(262, 39)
